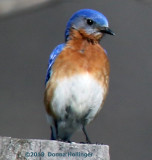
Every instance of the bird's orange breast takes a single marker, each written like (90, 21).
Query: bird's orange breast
(79, 56)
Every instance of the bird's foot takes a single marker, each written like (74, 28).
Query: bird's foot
(66, 141)
(85, 142)
(99, 143)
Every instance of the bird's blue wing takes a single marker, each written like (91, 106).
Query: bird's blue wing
(52, 58)
(106, 51)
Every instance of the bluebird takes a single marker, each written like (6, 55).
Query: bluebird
(78, 75)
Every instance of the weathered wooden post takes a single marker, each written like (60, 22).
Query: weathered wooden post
(33, 149)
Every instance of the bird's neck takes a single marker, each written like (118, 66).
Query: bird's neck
(80, 42)
(79, 35)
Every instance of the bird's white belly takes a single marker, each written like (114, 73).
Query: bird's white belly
(80, 95)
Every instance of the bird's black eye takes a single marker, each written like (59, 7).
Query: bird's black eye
(90, 22)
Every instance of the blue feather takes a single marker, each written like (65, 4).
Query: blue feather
(52, 59)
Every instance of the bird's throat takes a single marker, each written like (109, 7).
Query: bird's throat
(82, 35)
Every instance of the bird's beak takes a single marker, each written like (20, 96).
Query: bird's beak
(107, 30)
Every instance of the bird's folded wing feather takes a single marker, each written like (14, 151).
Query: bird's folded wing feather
(52, 59)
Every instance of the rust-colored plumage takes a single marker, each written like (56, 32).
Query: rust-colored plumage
(78, 75)
(81, 55)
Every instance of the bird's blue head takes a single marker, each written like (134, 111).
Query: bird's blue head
(91, 21)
